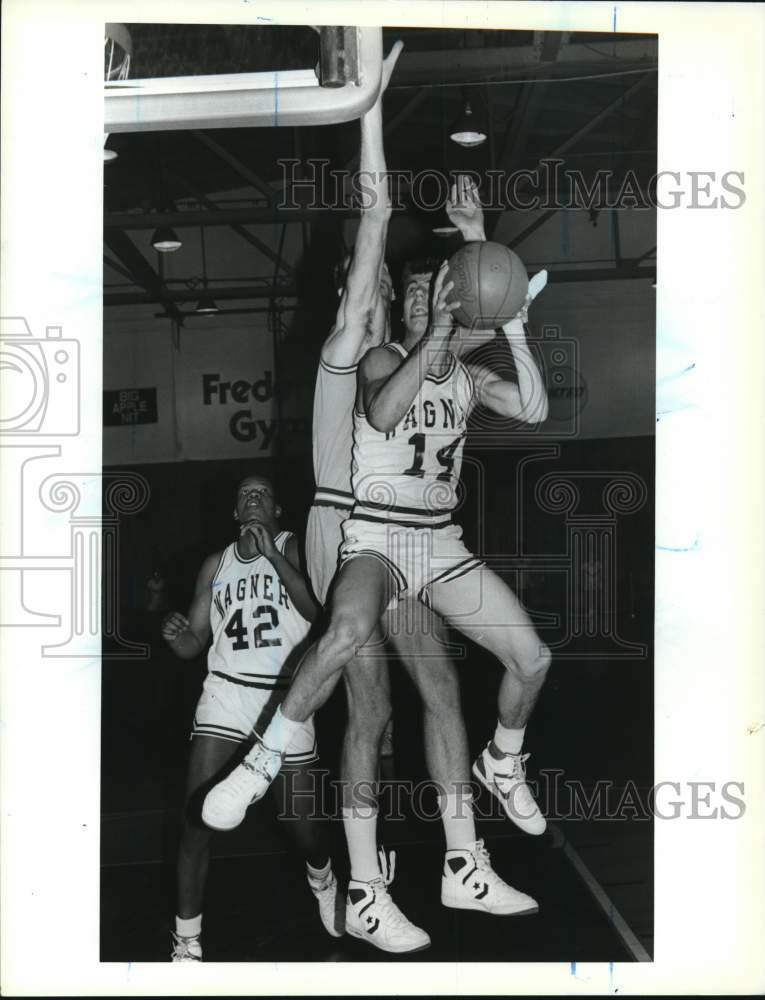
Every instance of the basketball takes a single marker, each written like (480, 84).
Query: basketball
(490, 283)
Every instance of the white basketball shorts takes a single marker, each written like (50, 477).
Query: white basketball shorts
(417, 558)
(323, 539)
(229, 709)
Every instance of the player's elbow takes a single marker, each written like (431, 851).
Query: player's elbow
(378, 413)
(186, 650)
(309, 609)
(536, 414)
(359, 303)
(379, 420)
(535, 409)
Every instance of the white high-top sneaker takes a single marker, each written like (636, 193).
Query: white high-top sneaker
(506, 778)
(325, 891)
(186, 949)
(226, 803)
(371, 915)
(470, 883)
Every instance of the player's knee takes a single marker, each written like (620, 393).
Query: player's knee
(536, 663)
(342, 638)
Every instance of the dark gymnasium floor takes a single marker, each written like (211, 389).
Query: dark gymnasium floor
(593, 877)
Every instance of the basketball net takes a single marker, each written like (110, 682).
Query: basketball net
(118, 49)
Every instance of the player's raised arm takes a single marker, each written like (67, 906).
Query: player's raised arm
(525, 399)
(287, 566)
(360, 316)
(386, 387)
(187, 636)
(464, 209)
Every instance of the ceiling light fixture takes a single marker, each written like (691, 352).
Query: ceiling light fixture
(444, 232)
(468, 130)
(166, 240)
(207, 305)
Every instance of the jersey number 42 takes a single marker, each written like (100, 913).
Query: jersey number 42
(268, 621)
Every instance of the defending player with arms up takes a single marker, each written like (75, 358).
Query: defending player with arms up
(254, 600)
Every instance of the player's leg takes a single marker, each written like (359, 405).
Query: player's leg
(208, 758)
(371, 914)
(484, 608)
(297, 792)
(467, 880)
(367, 693)
(362, 590)
(368, 696)
(387, 745)
(367, 688)
(419, 639)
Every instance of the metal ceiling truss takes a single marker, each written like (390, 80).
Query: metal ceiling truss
(142, 272)
(551, 56)
(239, 229)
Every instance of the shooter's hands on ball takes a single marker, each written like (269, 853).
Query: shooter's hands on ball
(261, 538)
(464, 208)
(173, 626)
(442, 321)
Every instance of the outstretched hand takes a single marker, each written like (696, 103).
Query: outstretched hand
(463, 207)
(389, 64)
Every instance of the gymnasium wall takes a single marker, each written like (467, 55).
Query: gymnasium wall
(219, 392)
(211, 392)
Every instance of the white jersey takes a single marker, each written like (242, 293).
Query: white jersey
(411, 474)
(333, 402)
(255, 625)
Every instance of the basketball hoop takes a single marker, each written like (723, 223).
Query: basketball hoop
(118, 49)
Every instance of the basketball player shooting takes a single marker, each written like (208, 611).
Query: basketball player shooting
(362, 323)
(254, 600)
(413, 401)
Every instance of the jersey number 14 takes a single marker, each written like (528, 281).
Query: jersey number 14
(445, 457)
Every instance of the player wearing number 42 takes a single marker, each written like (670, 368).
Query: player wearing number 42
(254, 600)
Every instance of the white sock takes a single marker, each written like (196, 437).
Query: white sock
(318, 875)
(280, 732)
(457, 817)
(360, 824)
(192, 927)
(508, 740)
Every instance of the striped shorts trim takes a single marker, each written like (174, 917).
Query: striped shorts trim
(398, 577)
(238, 712)
(325, 497)
(416, 557)
(461, 569)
